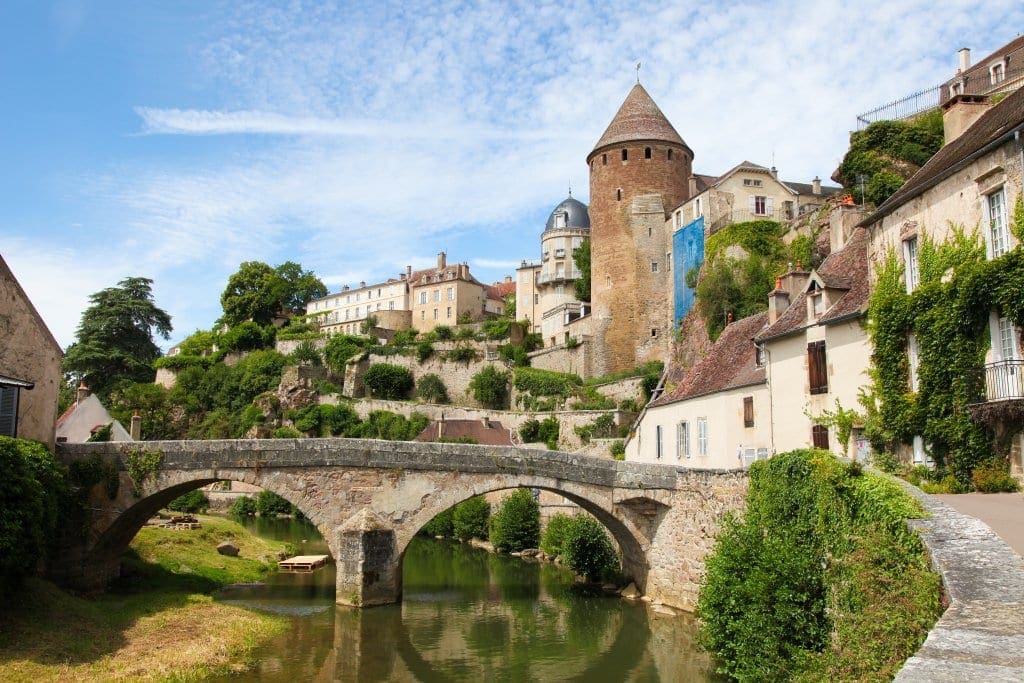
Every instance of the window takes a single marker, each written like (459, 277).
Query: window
(657, 441)
(760, 355)
(1007, 348)
(423, 315)
(677, 219)
(647, 152)
(997, 74)
(668, 261)
(698, 209)
(9, 411)
(560, 289)
(437, 295)
(604, 159)
(682, 440)
(423, 297)
(449, 311)
(625, 155)
(759, 205)
(817, 372)
(819, 436)
(748, 411)
(817, 299)
(752, 182)
(654, 266)
(921, 456)
(913, 270)
(435, 314)
(998, 239)
(559, 253)
(536, 299)
(702, 436)
(618, 195)
(670, 155)
(451, 294)
(654, 332)
(560, 220)
(391, 305)
(912, 360)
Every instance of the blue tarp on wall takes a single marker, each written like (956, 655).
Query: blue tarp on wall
(687, 253)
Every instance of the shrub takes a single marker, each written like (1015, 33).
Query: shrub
(424, 350)
(430, 388)
(554, 533)
(461, 354)
(286, 433)
(498, 328)
(470, 519)
(587, 549)
(603, 427)
(545, 431)
(193, 501)
(247, 336)
(546, 382)
(442, 332)
(515, 354)
(403, 338)
(31, 490)
(572, 343)
(516, 524)
(441, 525)
(244, 507)
(388, 381)
(306, 353)
(465, 333)
(367, 325)
(269, 504)
(618, 449)
(383, 424)
(340, 348)
(994, 477)
(490, 387)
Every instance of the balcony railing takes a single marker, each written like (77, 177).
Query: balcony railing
(999, 381)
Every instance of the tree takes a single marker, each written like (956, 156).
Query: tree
(516, 524)
(490, 387)
(581, 257)
(115, 337)
(258, 292)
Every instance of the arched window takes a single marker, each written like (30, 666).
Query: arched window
(625, 155)
(618, 195)
(670, 155)
(604, 159)
(647, 152)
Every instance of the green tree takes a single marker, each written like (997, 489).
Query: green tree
(114, 340)
(388, 381)
(490, 387)
(587, 549)
(259, 293)
(516, 524)
(471, 519)
(299, 287)
(581, 257)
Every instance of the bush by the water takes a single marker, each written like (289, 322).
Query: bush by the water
(516, 524)
(820, 579)
(269, 504)
(587, 549)
(441, 525)
(193, 501)
(554, 533)
(32, 490)
(471, 518)
(244, 507)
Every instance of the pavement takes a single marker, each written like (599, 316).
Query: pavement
(1004, 512)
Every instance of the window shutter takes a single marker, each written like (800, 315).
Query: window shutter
(753, 204)
(817, 373)
(819, 436)
(769, 204)
(8, 411)
(748, 411)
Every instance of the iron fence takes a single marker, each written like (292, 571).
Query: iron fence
(999, 381)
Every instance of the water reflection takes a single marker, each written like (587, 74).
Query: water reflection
(465, 615)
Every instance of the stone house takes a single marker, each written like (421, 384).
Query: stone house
(85, 417)
(1002, 71)
(345, 311)
(29, 365)
(440, 295)
(973, 182)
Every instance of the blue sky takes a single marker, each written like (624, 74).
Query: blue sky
(175, 140)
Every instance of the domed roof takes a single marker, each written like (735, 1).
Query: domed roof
(639, 118)
(576, 215)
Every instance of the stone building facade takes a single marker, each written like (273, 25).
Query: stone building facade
(345, 311)
(639, 172)
(441, 295)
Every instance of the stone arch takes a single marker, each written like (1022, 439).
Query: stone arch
(110, 536)
(631, 540)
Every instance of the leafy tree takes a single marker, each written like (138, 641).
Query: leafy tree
(587, 549)
(306, 353)
(259, 293)
(388, 381)
(441, 525)
(430, 388)
(243, 507)
(516, 524)
(193, 501)
(581, 257)
(198, 343)
(470, 519)
(554, 533)
(115, 336)
(340, 348)
(490, 387)
(269, 504)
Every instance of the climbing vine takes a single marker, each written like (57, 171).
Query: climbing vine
(948, 315)
(842, 419)
(141, 465)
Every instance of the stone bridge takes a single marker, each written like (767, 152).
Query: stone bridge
(369, 498)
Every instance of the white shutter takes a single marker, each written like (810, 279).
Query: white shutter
(769, 205)
(753, 204)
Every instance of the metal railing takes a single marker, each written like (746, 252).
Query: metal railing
(999, 381)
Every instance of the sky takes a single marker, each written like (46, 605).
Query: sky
(175, 140)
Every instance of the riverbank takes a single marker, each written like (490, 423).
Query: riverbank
(157, 623)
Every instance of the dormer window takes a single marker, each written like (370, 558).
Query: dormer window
(760, 355)
(560, 220)
(547, 255)
(997, 73)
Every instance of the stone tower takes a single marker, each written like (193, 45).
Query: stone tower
(639, 173)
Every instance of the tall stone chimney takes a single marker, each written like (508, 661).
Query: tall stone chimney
(136, 428)
(693, 186)
(816, 185)
(964, 54)
(960, 113)
(778, 302)
(441, 262)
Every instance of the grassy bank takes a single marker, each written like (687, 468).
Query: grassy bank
(157, 623)
(820, 579)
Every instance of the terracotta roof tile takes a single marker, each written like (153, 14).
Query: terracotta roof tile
(492, 434)
(729, 363)
(639, 118)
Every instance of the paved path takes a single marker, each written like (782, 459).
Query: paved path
(1004, 512)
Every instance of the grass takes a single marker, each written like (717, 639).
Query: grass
(158, 623)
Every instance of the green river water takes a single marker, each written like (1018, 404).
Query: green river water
(466, 615)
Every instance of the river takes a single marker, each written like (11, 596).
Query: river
(466, 615)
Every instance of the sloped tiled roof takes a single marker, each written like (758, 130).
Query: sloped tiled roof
(492, 434)
(728, 365)
(845, 270)
(704, 181)
(996, 123)
(499, 290)
(980, 68)
(440, 275)
(639, 118)
(808, 189)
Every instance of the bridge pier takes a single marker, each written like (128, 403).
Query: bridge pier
(369, 571)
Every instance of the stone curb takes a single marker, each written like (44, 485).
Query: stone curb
(980, 636)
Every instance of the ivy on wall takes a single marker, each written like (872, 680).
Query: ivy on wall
(948, 315)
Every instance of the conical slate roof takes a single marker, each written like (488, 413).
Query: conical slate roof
(576, 215)
(639, 118)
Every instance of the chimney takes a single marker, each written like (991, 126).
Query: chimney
(408, 272)
(441, 262)
(775, 173)
(440, 427)
(486, 421)
(965, 59)
(508, 279)
(794, 281)
(960, 112)
(344, 288)
(83, 392)
(693, 186)
(136, 429)
(816, 185)
(778, 302)
(362, 283)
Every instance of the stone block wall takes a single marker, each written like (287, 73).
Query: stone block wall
(563, 359)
